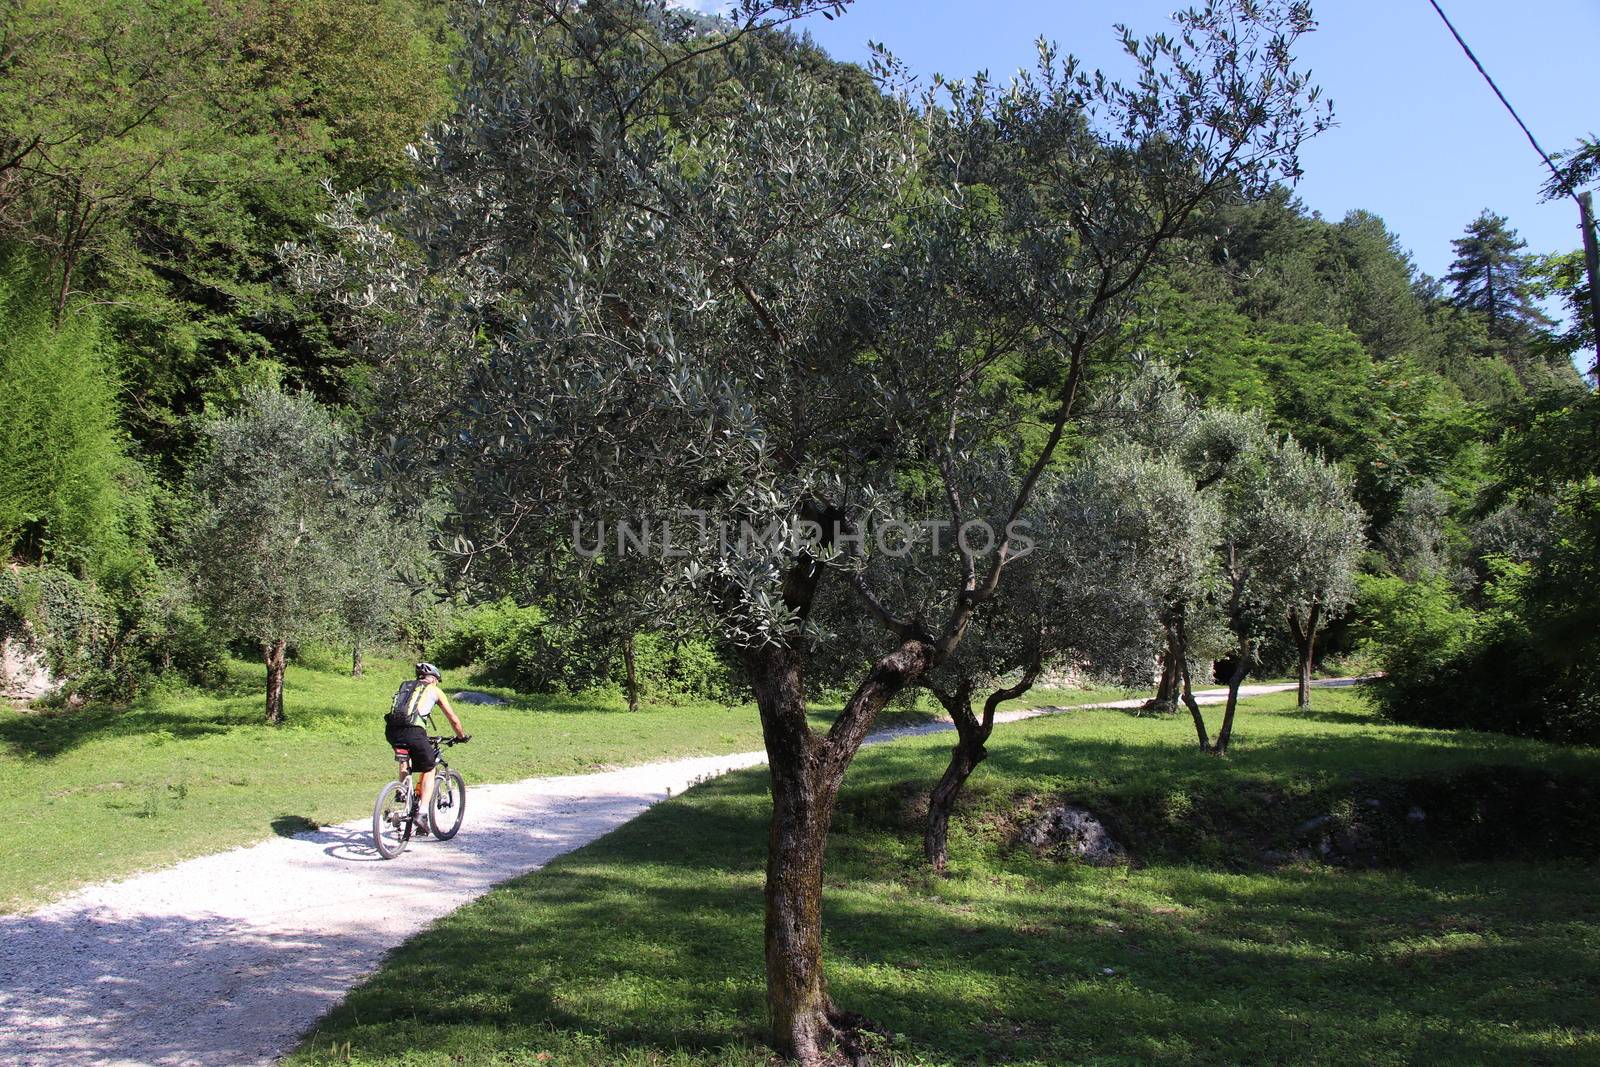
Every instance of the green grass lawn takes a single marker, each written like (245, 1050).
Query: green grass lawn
(645, 947)
(110, 791)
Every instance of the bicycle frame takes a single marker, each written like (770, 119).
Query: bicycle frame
(441, 767)
(398, 812)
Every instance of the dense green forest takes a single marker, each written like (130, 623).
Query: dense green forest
(155, 159)
(153, 156)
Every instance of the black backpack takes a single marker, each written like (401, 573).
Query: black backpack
(400, 711)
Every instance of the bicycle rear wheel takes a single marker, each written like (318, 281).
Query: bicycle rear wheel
(448, 806)
(389, 817)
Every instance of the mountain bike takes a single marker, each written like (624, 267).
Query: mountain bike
(395, 816)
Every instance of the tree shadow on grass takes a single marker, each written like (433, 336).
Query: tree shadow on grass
(47, 734)
(1253, 985)
(1374, 753)
(596, 952)
(649, 942)
(1312, 714)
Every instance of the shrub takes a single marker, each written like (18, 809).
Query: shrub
(680, 670)
(69, 622)
(167, 636)
(526, 649)
(1447, 666)
(470, 634)
(549, 657)
(1412, 627)
(69, 493)
(523, 648)
(109, 646)
(322, 656)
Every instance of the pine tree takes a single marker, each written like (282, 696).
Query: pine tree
(1491, 276)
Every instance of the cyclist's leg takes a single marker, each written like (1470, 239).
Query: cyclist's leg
(423, 757)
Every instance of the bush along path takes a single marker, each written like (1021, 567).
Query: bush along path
(230, 957)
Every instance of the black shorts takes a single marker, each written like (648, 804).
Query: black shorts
(414, 739)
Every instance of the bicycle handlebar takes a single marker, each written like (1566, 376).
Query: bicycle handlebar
(443, 740)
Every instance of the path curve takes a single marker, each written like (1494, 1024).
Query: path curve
(228, 959)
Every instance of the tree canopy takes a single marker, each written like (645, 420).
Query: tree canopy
(269, 533)
(638, 299)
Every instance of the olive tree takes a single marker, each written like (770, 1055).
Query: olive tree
(654, 265)
(265, 537)
(1269, 532)
(1328, 595)
(1151, 412)
(607, 600)
(1109, 536)
(385, 571)
(1292, 533)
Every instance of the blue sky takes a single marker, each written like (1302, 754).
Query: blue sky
(1421, 140)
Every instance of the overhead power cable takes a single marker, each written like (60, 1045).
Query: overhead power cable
(1586, 222)
(1561, 179)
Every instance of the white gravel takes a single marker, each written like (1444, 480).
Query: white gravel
(228, 959)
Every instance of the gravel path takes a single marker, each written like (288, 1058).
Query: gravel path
(228, 959)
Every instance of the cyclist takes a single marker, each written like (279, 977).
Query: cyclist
(413, 703)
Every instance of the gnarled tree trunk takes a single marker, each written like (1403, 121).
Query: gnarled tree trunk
(1241, 667)
(967, 754)
(1194, 712)
(1169, 688)
(273, 654)
(1241, 662)
(1305, 641)
(1178, 647)
(806, 771)
(802, 808)
(357, 667)
(971, 736)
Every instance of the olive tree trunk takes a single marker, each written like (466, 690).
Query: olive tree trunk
(1178, 649)
(273, 653)
(357, 667)
(1238, 623)
(964, 758)
(1194, 712)
(805, 771)
(1167, 690)
(1241, 668)
(1305, 641)
(972, 734)
(633, 674)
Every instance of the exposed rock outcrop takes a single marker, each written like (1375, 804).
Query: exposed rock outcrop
(1069, 831)
(472, 696)
(23, 674)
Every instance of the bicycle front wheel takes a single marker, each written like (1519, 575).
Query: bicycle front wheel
(390, 831)
(448, 805)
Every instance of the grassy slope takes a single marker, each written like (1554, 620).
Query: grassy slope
(644, 948)
(110, 791)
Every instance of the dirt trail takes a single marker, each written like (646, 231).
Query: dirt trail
(228, 959)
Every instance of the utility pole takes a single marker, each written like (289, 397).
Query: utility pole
(1591, 263)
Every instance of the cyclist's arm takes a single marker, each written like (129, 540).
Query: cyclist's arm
(450, 713)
